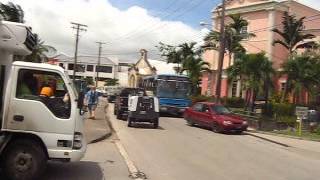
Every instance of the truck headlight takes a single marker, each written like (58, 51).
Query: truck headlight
(77, 140)
(245, 122)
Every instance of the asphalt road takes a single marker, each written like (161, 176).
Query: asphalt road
(177, 151)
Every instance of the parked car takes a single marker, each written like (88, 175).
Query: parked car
(143, 109)
(215, 116)
(112, 92)
(121, 102)
(102, 91)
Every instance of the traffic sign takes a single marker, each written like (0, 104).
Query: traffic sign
(301, 112)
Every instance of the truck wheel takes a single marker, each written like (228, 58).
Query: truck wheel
(156, 123)
(119, 115)
(24, 159)
(130, 122)
(114, 111)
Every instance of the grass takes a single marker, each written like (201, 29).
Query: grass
(304, 134)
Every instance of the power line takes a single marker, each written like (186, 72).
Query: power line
(160, 26)
(79, 27)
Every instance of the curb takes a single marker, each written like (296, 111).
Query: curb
(108, 134)
(283, 135)
(105, 136)
(266, 139)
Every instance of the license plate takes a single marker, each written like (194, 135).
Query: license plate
(143, 112)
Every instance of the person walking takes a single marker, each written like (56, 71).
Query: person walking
(91, 99)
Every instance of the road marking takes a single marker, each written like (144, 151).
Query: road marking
(133, 170)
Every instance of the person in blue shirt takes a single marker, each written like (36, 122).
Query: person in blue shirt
(91, 99)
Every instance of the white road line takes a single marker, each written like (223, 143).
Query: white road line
(131, 167)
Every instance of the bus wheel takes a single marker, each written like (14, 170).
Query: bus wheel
(24, 159)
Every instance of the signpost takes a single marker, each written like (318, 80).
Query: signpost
(301, 113)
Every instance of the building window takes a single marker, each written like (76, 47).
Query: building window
(90, 68)
(70, 67)
(104, 69)
(234, 89)
(282, 86)
(80, 68)
(61, 65)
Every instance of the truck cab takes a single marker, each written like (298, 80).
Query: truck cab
(35, 126)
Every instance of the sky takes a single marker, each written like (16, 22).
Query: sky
(126, 26)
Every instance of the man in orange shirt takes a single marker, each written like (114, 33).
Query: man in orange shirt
(46, 91)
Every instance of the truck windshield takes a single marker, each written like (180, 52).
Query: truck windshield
(73, 87)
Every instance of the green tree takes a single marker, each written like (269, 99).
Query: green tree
(12, 12)
(292, 38)
(189, 57)
(177, 54)
(111, 82)
(233, 36)
(303, 73)
(254, 71)
(40, 51)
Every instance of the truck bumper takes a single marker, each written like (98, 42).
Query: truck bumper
(172, 109)
(71, 155)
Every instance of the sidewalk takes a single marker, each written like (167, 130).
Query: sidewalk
(98, 129)
(310, 146)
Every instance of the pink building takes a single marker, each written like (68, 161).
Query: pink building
(263, 16)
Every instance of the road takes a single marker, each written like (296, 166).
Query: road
(177, 151)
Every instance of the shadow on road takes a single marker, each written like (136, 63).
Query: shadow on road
(83, 170)
(146, 126)
(224, 133)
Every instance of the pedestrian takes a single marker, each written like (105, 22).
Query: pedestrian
(91, 99)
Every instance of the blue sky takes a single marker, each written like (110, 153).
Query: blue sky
(190, 12)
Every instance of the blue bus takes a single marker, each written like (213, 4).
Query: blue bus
(173, 92)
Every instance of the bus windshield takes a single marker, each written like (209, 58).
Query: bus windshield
(173, 89)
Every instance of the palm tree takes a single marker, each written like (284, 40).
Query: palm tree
(233, 36)
(190, 59)
(303, 73)
(254, 70)
(292, 35)
(292, 38)
(178, 54)
(12, 12)
(40, 51)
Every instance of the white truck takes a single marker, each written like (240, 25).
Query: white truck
(35, 128)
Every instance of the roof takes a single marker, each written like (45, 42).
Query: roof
(163, 67)
(38, 65)
(85, 59)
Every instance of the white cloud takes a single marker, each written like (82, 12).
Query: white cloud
(128, 31)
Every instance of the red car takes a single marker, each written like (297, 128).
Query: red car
(215, 116)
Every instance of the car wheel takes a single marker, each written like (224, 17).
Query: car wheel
(189, 122)
(130, 122)
(24, 159)
(216, 128)
(156, 123)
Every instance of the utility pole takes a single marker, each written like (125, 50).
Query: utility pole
(99, 62)
(78, 27)
(221, 51)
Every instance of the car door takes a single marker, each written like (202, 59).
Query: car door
(195, 112)
(206, 115)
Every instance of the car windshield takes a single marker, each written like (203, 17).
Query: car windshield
(220, 109)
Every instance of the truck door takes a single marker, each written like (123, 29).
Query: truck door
(37, 105)
(2, 73)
